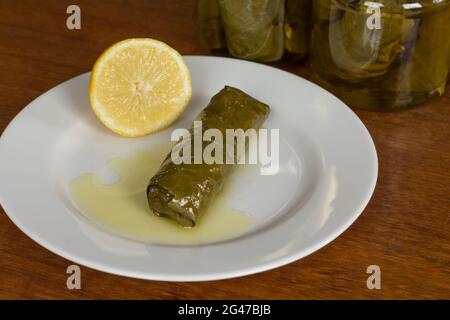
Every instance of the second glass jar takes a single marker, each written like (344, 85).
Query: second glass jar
(399, 61)
(259, 30)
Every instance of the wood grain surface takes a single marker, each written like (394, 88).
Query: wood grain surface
(405, 228)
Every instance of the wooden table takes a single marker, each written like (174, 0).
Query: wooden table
(405, 228)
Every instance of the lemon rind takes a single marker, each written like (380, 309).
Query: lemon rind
(98, 107)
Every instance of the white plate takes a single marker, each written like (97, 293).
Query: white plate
(328, 171)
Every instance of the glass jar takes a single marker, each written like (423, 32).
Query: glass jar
(259, 30)
(381, 54)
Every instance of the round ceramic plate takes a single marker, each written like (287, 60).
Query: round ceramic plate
(327, 174)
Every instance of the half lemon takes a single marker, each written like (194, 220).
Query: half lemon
(139, 86)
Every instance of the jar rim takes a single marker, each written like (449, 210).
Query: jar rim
(399, 6)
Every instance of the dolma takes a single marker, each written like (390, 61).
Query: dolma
(183, 191)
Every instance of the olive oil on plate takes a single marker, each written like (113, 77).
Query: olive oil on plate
(122, 206)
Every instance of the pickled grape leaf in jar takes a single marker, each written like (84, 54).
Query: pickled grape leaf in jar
(254, 29)
(209, 24)
(360, 52)
(423, 67)
(400, 63)
(297, 26)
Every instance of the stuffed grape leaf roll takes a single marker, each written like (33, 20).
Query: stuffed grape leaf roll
(183, 191)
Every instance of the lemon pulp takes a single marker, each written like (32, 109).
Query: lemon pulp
(139, 86)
